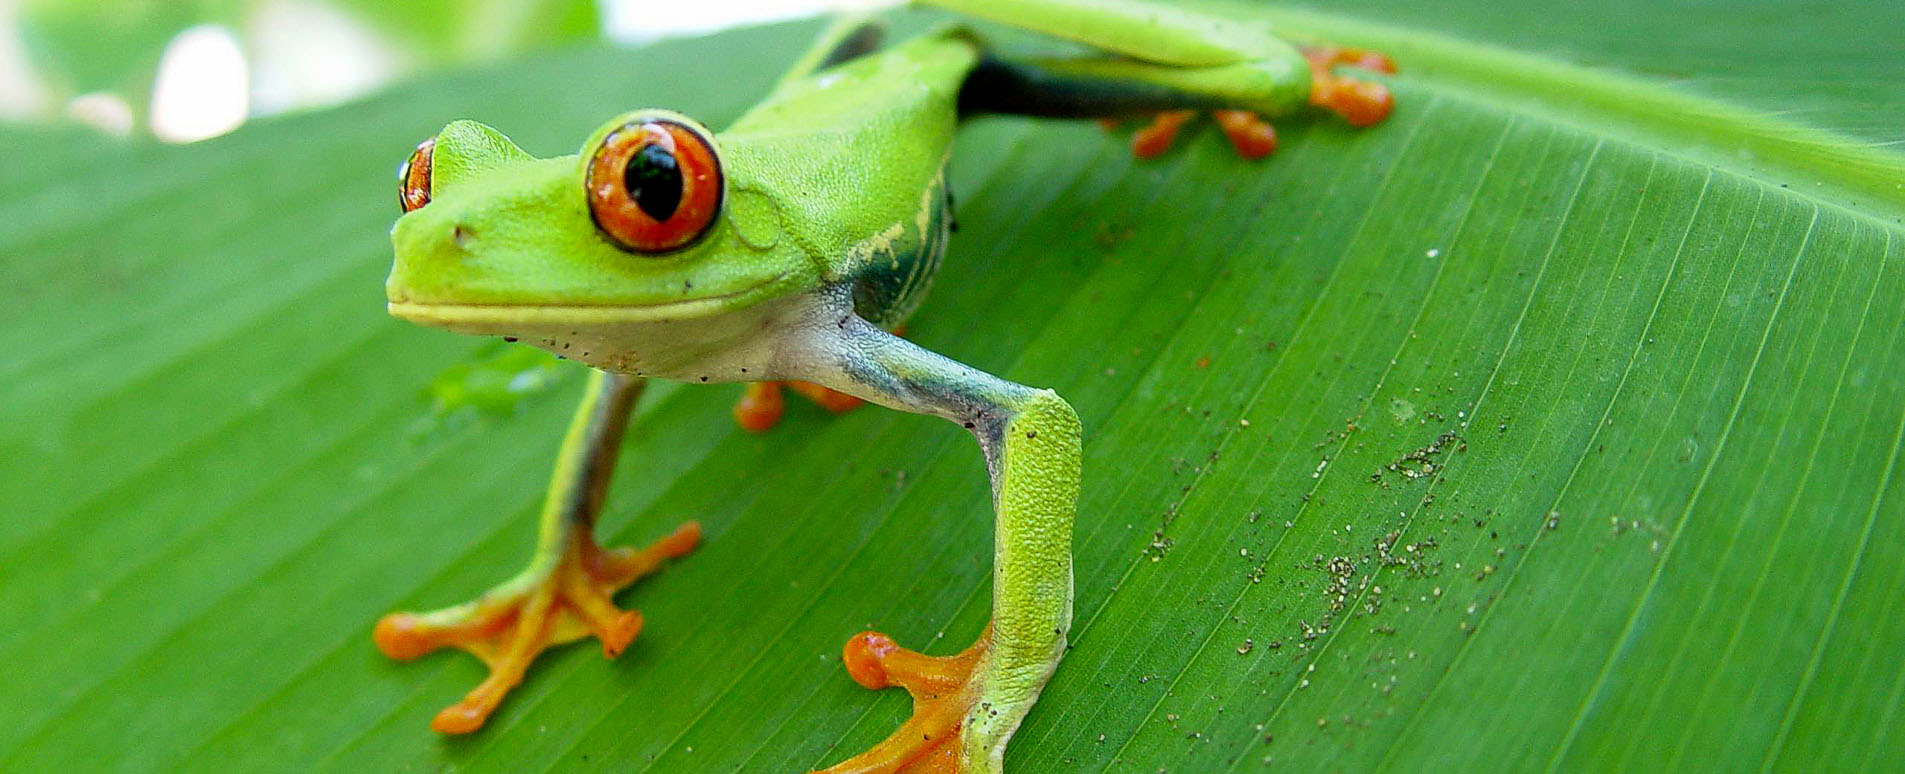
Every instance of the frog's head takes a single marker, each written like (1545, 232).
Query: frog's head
(642, 226)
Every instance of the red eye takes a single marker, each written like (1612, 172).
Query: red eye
(413, 178)
(654, 186)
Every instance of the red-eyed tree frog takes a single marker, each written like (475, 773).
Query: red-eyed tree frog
(786, 249)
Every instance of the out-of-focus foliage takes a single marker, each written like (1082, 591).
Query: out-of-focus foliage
(82, 46)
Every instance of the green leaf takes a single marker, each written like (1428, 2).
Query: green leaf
(1552, 424)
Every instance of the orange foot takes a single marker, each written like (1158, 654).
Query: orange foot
(1361, 103)
(943, 693)
(546, 605)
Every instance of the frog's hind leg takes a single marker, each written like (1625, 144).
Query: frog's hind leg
(567, 591)
(1168, 62)
(1360, 103)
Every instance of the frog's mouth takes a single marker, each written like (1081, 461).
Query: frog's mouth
(492, 318)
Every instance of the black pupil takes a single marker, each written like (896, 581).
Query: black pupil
(654, 181)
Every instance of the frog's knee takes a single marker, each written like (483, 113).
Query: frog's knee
(1044, 411)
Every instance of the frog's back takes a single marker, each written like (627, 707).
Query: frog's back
(854, 156)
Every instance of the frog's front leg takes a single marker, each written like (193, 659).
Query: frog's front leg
(967, 706)
(567, 591)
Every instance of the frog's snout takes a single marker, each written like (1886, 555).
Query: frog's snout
(430, 246)
(431, 230)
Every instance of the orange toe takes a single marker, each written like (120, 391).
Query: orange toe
(1252, 136)
(617, 636)
(760, 407)
(459, 719)
(621, 566)
(865, 658)
(942, 692)
(399, 636)
(1156, 138)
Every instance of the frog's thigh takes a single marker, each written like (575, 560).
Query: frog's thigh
(1146, 31)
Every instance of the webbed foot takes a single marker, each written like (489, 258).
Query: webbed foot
(945, 692)
(558, 599)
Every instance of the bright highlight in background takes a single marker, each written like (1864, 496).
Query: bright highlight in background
(641, 20)
(201, 89)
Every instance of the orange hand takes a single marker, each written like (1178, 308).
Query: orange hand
(512, 624)
(942, 695)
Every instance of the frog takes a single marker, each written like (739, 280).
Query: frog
(788, 249)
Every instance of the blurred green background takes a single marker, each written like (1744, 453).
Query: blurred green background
(186, 70)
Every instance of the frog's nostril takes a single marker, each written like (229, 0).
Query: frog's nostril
(462, 235)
